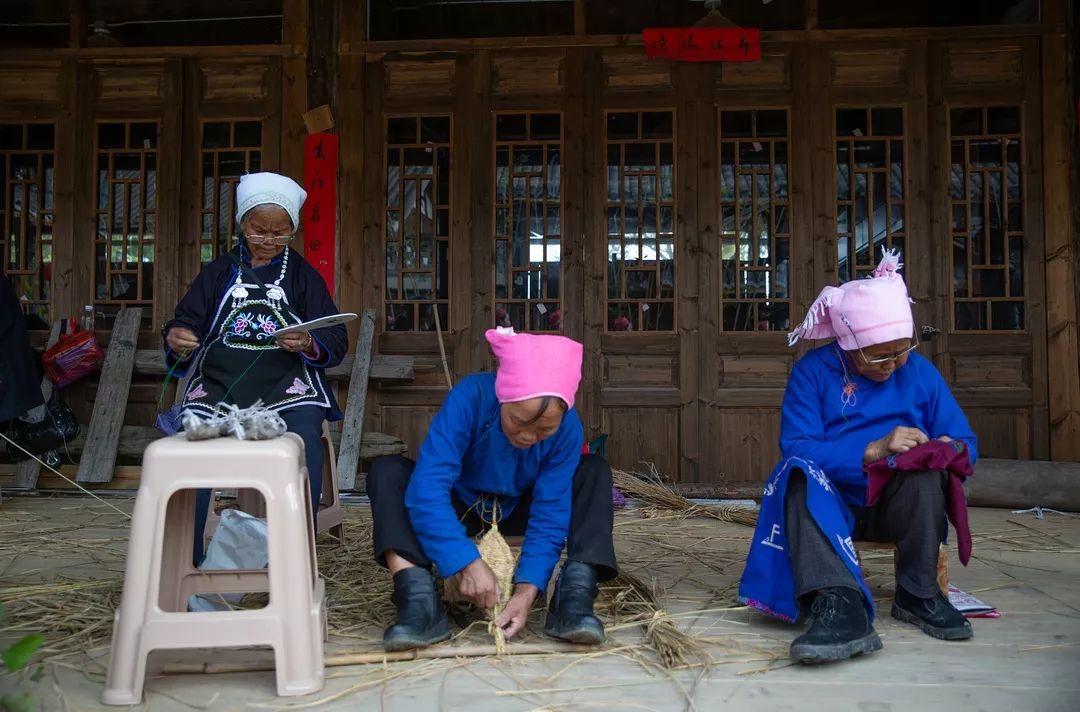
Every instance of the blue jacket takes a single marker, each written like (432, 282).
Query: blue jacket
(466, 451)
(817, 425)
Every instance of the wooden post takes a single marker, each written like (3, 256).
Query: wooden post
(103, 434)
(580, 24)
(27, 471)
(352, 428)
(810, 14)
(77, 24)
(1058, 144)
(294, 93)
(167, 290)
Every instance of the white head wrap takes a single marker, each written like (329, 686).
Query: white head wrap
(257, 189)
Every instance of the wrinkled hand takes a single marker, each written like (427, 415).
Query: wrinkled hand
(513, 617)
(295, 342)
(180, 339)
(477, 583)
(901, 439)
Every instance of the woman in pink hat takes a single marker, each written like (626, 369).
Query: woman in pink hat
(866, 396)
(504, 445)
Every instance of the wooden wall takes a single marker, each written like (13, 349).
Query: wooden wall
(700, 400)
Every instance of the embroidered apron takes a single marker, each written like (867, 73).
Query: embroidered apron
(243, 364)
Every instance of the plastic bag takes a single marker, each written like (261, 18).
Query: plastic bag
(55, 430)
(72, 357)
(239, 542)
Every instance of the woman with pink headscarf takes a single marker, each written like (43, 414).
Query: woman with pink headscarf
(860, 403)
(505, 446)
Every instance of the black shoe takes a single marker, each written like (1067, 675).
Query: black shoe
(570, 612)
(934, 616)
(839, 628)
(421, 618)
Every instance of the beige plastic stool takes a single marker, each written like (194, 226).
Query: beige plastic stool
(330, 515)
(159, 576)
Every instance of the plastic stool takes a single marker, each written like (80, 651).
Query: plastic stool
(330, 514)
(159, 576)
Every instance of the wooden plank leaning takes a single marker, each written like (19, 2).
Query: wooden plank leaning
(352, 428)
(27, 471)
(103, 434)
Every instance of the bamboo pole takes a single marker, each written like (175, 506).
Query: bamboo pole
(375, 657)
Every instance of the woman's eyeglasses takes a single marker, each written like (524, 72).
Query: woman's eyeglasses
(268, 239)
(882, 360)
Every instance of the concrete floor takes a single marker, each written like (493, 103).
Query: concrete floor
(1029, 659)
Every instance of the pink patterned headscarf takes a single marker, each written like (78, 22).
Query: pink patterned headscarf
(862, 312)
(533, 366)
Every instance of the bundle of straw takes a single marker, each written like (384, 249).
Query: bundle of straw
(637, 602)
(497, 554)
(649, 488)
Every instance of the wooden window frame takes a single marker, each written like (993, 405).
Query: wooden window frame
(1008, 234)
(641, 304)
(858, 270)
(11, 233)
(214, 238)
(551, 305)
(789, 234)
(446, 323)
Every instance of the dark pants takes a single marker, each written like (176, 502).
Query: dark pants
(591, 516)
(910, 513)
(306, 422)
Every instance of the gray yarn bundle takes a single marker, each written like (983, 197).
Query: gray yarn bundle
(254, 423)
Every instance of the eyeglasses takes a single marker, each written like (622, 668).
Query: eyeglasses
(882, 360)
(268, 239)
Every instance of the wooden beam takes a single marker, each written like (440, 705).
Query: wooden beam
(385, 369)
(322, 53)
(27, 471)
(294, 92)
(810, 14)
(352, 427)
(170, 147)
(1058, 145)
(103, 434)
(580, 23)
(77, 24)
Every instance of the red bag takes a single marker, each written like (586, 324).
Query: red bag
(72, 357)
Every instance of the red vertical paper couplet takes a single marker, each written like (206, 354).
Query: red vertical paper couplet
(320, 211)
(703, 44)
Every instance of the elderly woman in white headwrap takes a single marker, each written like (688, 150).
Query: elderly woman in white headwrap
(223, 330)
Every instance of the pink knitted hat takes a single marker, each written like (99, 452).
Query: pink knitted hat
(533, 366)
(862, 312)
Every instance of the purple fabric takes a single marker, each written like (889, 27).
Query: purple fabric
(952, 457)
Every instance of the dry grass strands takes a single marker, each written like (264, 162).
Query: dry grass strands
(649, 488)
(630, 599)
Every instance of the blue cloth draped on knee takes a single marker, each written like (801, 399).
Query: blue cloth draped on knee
(768, 581)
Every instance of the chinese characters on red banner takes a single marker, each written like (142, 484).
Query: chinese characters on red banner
(703, 44)
(320, 210)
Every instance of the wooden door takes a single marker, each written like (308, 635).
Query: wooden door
(989, 304)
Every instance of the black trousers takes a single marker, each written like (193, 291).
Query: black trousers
(910, 513)
(591, 519)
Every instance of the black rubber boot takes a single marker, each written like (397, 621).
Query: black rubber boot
(570, 612)
(421, 618)
(839, 629)
(934, 616)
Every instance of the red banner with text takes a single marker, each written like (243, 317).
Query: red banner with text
(703, 44)
(320, 210)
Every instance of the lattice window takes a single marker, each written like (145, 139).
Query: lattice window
(528, 221)
(230, 149)
(755, 220)
(869, 187)
(26, 215)
(986, 197)
(126, 216)
(417, 222)
(641, 221)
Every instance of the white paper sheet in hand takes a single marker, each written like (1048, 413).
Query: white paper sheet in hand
(321, 322)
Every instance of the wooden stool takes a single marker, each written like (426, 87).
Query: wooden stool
(159, 576)
(330, 514)
(942, 560)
